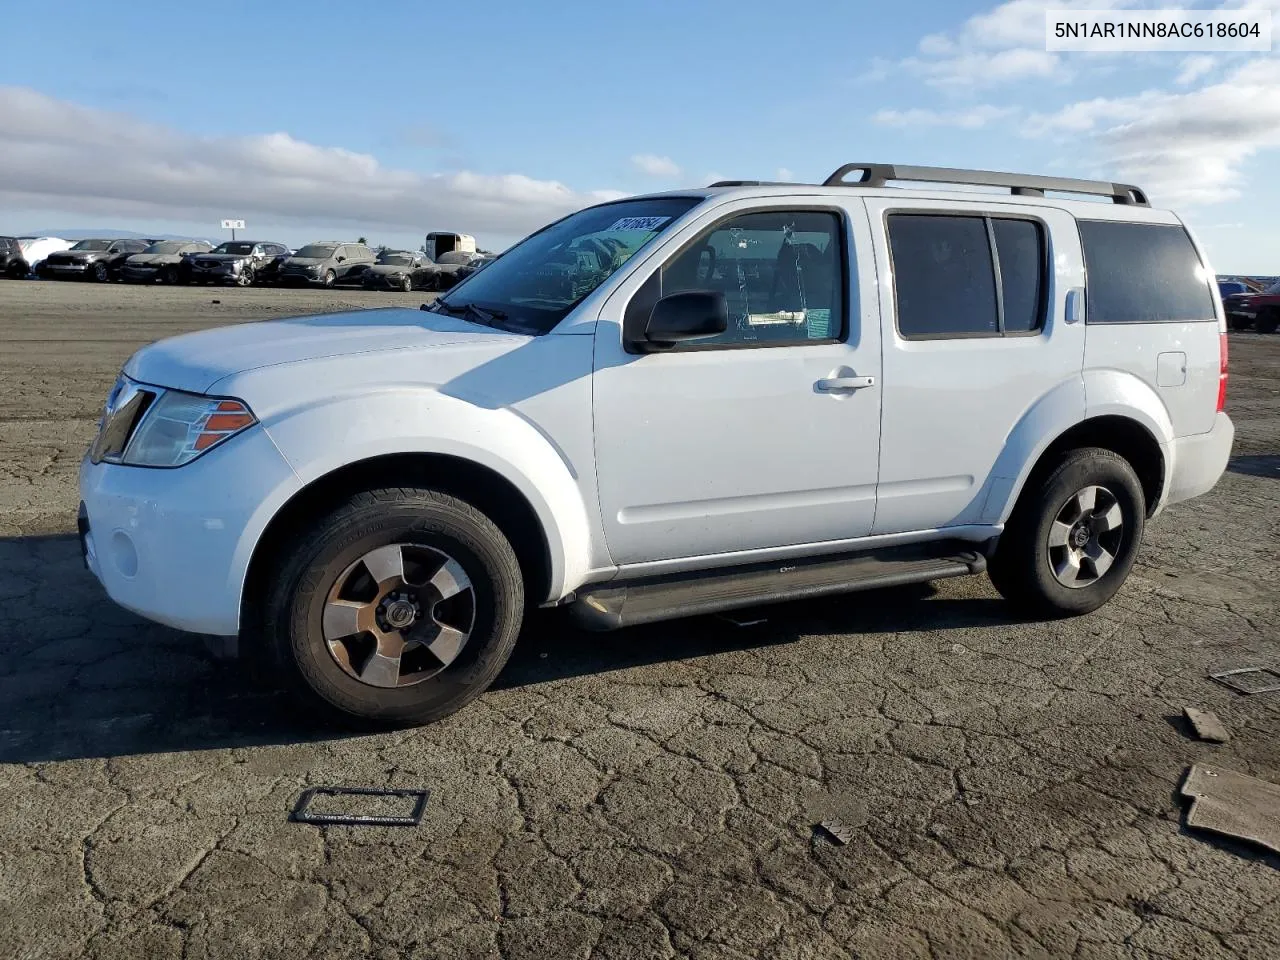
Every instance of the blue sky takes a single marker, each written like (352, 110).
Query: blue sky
(392, 119)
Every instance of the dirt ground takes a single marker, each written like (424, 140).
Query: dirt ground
(645, 794)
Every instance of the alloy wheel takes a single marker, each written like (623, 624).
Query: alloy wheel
(1085, 537)
(399, 615)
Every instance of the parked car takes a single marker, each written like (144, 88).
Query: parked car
(162, 261)
(1258, 310)
(450, 267)
(32, 253)
(469, 268)
(327, 262)
(95, 259)
(269, 272)
(11, 261)
(236, 261)
(723, 402)
(399, 270)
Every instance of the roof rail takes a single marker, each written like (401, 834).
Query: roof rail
(1019, 184)
(751, 183)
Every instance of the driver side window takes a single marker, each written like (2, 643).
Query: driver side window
(781, 272)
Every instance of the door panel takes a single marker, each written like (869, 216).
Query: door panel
(951, 402)
(734, 448)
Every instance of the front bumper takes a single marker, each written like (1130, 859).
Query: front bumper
(67, 269)
(219, 272)
(1198, 461)
(140, 274)
(173, 545)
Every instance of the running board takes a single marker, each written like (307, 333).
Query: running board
(609, 606)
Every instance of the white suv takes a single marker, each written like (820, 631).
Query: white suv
(670, 405)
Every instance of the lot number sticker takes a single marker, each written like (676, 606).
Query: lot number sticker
(639, 223)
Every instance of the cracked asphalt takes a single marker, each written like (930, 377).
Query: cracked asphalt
(645, 794)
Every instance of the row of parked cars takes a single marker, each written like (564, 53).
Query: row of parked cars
(1251, 302)
(326, 263)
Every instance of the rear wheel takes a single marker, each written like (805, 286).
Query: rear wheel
(401, 606)
(1268, 320)
(1073, 536)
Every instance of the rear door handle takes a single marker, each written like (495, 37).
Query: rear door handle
(844, 384)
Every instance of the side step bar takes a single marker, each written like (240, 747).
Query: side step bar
(610, 606)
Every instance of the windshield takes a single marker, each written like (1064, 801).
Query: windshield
(316, 251)
(93, 245)
(166, 246)
(396, 258)
(239, 249)
(538, 281)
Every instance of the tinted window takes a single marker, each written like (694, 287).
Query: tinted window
(1020, 253)
(780, 272)
(1142, 273)
(316, 251)
(943, 277)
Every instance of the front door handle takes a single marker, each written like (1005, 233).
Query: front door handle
(844, 384)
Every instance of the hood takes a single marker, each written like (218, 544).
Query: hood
(196, 361)
(153, 259)
(220, 257)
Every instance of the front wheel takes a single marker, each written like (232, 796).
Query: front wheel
(1073, 536)
(100, 272)
(245, 277)
(401, 606)
(330, 278)
(406, 284)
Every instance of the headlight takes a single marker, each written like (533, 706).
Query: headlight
(236, 265)
(178, 427)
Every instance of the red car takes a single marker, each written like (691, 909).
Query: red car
(1258, 310)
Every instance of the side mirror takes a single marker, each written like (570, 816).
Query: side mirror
(692, 315)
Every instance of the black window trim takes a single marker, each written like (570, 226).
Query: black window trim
(1215, 295)
(987, 216)
(844, 238)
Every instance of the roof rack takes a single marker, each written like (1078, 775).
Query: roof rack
(1019, 184)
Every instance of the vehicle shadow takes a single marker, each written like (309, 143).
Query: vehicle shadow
(82, 678)
(1261, 465)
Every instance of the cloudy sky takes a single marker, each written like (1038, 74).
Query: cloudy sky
(492, 118)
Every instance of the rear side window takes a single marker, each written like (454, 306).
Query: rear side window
(967, 276)
(1142, 273)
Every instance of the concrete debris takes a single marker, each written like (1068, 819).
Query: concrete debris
(1234, 805)
(1206, 725)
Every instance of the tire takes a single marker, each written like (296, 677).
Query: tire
(406, 284)
(246, 277)
(416, 523)
(99, 272)
(1237, 322)
(1023, 566)
(1268, 321)
(17, 270)
(330, 278)
(169, 276)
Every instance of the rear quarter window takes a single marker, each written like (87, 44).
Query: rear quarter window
(1143, 273)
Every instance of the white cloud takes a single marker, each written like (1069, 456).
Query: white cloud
(58, 155)
(998, 46)
(1184, 148)
(1193, 68)
(784, 174)
(973, 118)
(652, 165)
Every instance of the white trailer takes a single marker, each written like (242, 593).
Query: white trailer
(438, 243)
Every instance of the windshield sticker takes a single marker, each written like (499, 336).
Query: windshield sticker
(638, 223)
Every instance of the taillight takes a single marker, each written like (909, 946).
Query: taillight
(1222, 372)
